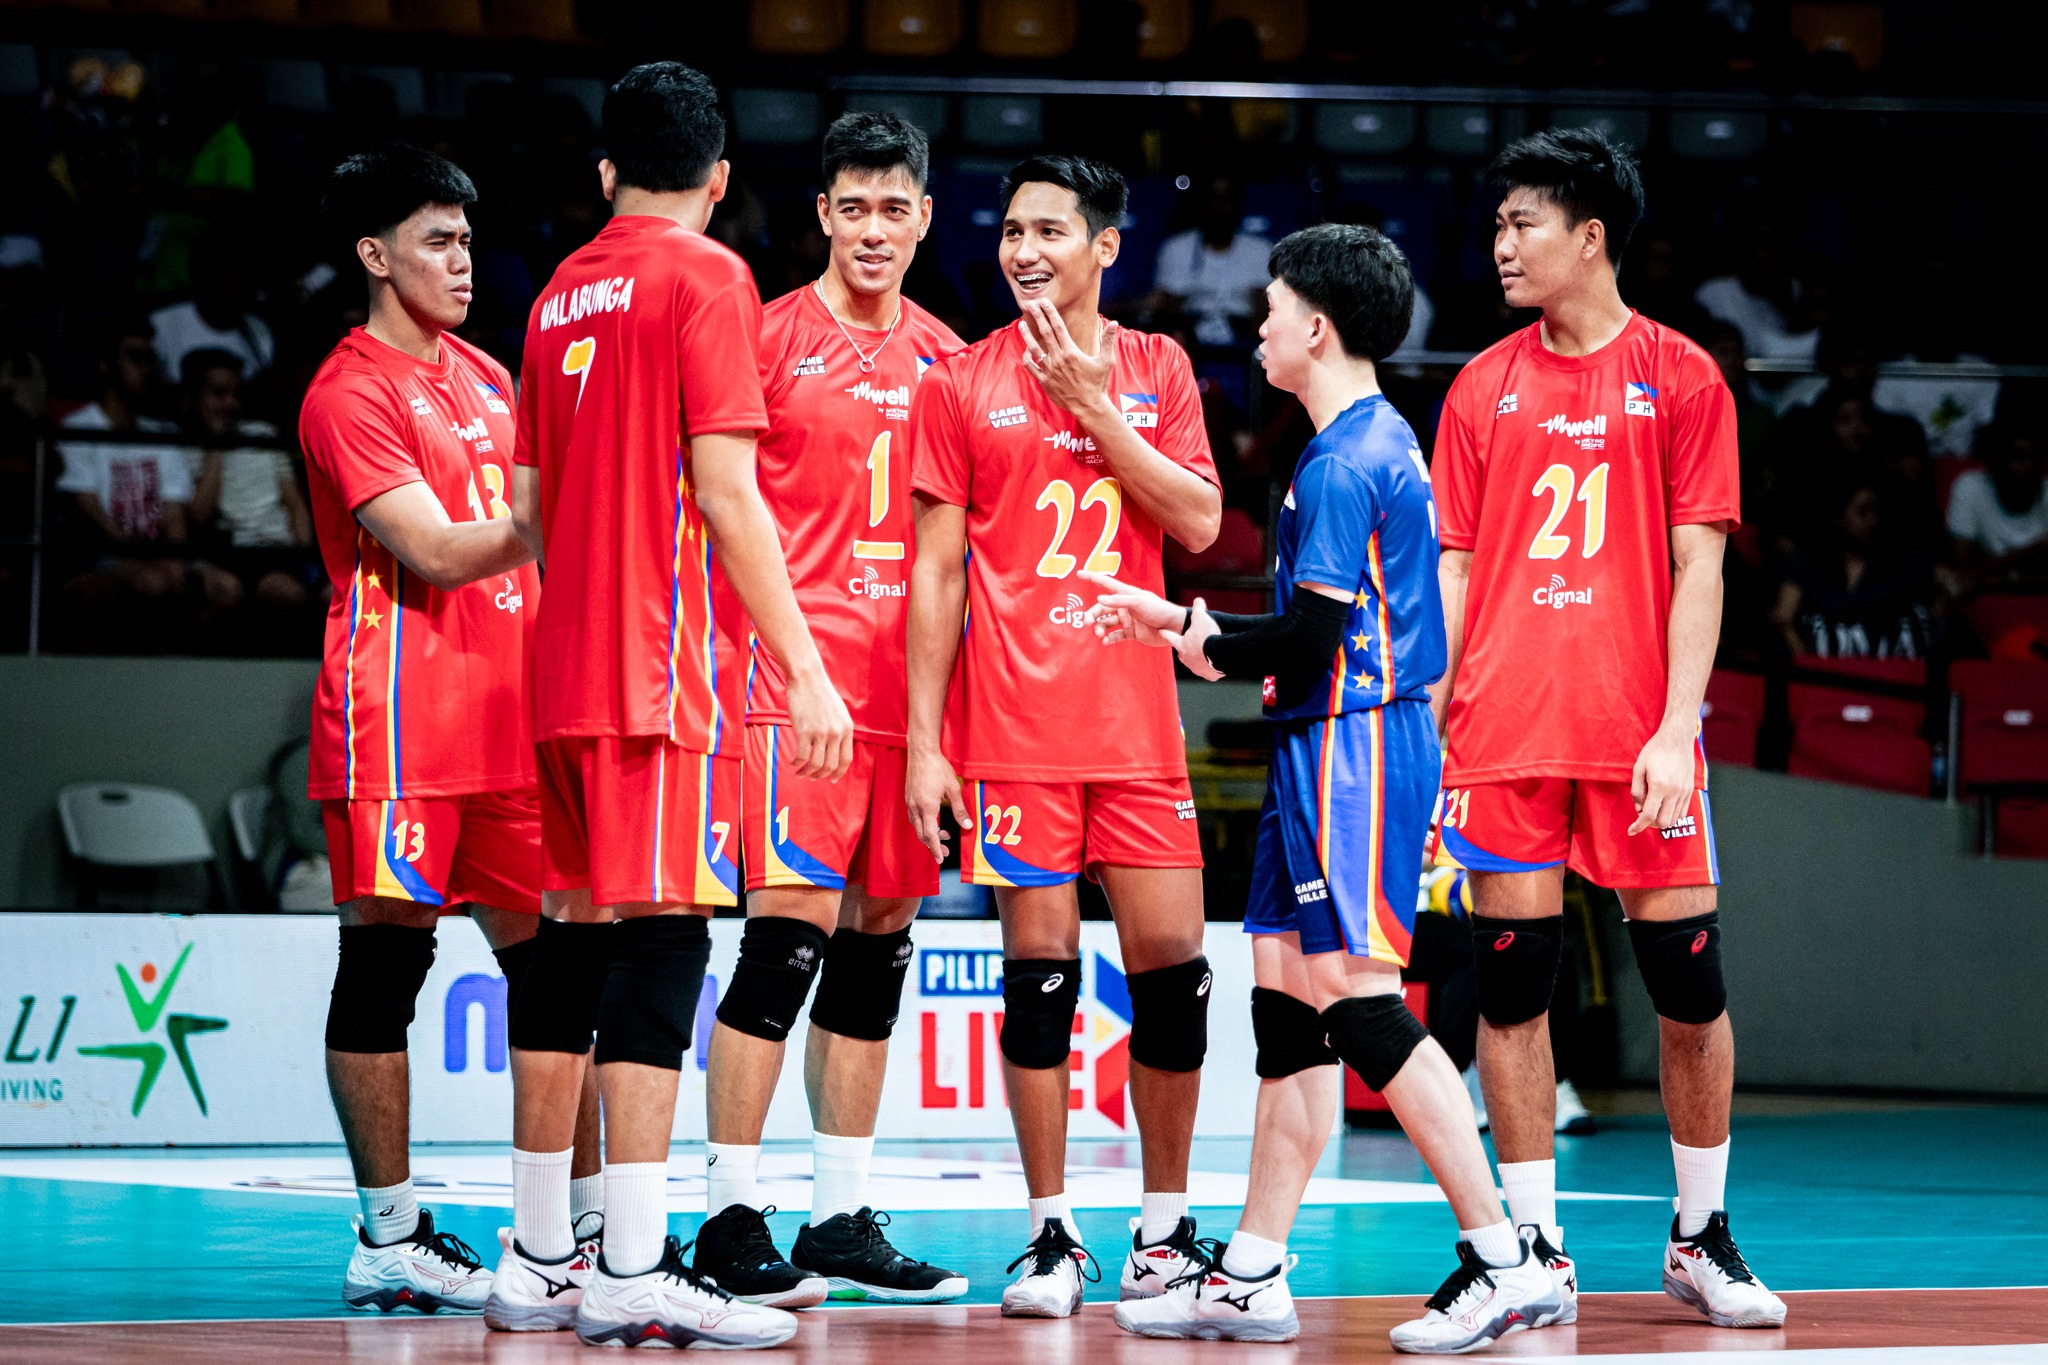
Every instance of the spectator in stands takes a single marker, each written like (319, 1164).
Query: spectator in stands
(1998, 515)
(217, 315)
(1660, 288)
(1764, 298)
(1843, 435)
(1853, 593)
(1948, 409)
(1753, 420)
(246, 499)
(1215, 271)
(134, 498)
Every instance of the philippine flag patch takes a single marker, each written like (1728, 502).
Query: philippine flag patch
(1640, 400)
(1135, 407)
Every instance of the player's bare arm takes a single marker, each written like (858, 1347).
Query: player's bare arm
(1187, 506)
(938, 599)
(410, 522)
(1663, 780)
(1453, 573)
(743, 533)
(526, 508)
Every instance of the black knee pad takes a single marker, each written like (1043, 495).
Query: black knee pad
(1680, 961)
(513, 961)
(1039, 999)
(376, 980)
(1170, 1015)
(556, 998)
(1289, 1034)
(649, 1001)
(860, 988)
(1517, 961)
(778, 958)
(1375, 1035)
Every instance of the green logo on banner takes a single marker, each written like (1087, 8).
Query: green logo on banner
(178, 1028)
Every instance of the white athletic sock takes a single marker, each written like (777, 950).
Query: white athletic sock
(1159, 1214)
(389, 1214)
(1249, 1255)
(1702, 1184)
(1531, 1188)
(540, 1203)
(1498, 1245)
(730, 1168)
(586, 1195)
(635, 1215)
(839, 1174)
(1052, 1206)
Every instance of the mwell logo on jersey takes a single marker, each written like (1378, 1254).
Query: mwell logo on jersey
(1562, 425)
(1081, 447)
(1639, 400)
(1139, 409)
(893, 402)
(1557, 596)
(959, 1043)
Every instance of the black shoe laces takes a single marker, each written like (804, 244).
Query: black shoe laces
(1204, 1254)
(752, 1244)
(452, 1249)
(868, 1225)
(1472, 1268)
(1052, 1246)
(676, 1268)
(1719, 1244)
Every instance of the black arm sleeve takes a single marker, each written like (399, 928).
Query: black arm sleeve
(1293, 649)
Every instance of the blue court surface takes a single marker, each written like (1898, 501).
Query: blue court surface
(1824, 1196)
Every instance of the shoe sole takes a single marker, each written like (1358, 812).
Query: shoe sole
(1564, 1318)
(1691, 1298)
(398, 1300)
(806, 1293)
(545, 1317)
(945, 1291)
(673, 1336)
(1209, 1331)
(1032, 1310)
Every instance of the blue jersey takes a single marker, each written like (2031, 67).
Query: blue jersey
(1360, 516)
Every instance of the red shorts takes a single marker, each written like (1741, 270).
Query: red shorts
(639, 818)
(1527, 824)
(808, 832)
(1046, 833)
(450, 851)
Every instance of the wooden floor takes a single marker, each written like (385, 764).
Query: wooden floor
(1347, 1330)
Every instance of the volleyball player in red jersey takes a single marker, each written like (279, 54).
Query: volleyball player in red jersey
(1061, 443)
(421, 753)
(1586, 476)
(834, 869)
(638, 415)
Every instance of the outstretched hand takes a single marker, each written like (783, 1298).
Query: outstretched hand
(1127, 613)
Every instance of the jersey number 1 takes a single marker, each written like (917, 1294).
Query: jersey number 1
(1558, 481)
(878, 503)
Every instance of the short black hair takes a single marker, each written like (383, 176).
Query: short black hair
(1356, 277)
(1581, 172)
(1099, 190)
(197, 362)
(373, 192)
(877, 142)
(662, 127)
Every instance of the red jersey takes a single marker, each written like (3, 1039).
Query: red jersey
(643, 339)
(419, 691)
(1037, 697)
(1564, 476)
(834, 471)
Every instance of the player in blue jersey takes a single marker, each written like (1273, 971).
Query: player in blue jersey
(1347, 663)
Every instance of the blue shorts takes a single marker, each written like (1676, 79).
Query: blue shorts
(1348, 803)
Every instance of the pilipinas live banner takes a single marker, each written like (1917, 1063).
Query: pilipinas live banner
(167, 1029)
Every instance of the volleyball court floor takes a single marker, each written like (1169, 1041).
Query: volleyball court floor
(1912, 1234)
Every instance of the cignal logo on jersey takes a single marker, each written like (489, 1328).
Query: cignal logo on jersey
(1069, 612)
(893, 402)
(1557, 595)
(509, 597)
(872, 584)
(959, 1047)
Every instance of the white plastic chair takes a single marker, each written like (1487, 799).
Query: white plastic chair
(248, 810)
(125, 824)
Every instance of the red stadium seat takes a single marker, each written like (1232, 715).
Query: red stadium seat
(1028, 28)
(2022, 828)
(1733, 713)
(797, 28)
(1910, 672)
(1239, 548)
(1860, 738)
(2012, 626)
(2004, 736)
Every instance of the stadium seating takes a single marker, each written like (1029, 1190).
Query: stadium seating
(443, 16)
(911, 28)
(1239, 548)
(1166, 30)
(550, 21)
(127, 825)
(354, 13)
(1904, 672)
(1855, 29)
(2012, 626)
(1028, 28)
(797, 28)
(2002, 723)
(1282, 25)
(1861, 738)
(2022, 828)
(1729, 720)
(262, 11)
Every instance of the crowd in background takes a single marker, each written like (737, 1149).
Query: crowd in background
(166, 292)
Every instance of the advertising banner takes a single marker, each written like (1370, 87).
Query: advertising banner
(167, 1029)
